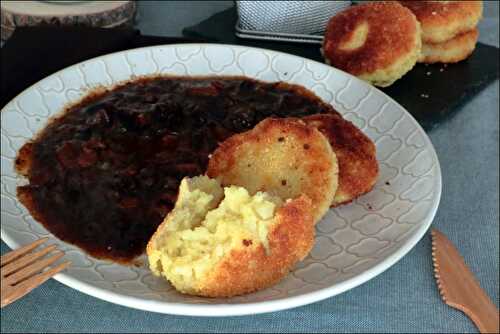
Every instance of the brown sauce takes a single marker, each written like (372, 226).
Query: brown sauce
(104, 174)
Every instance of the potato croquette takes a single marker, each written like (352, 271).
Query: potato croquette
(356, 155)
(443, 20)
(283, 157)
(452, 51)
(225, 242)
(378, 42)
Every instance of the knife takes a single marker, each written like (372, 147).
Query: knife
(458, 286)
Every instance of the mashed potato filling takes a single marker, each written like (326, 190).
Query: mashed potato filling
(206, 223)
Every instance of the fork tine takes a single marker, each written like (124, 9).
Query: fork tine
(26, 260)
(11, 256)
(33, 268)
(26, 286)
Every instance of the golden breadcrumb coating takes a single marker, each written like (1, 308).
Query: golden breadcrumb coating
(378, 41)
(284, 157)
(356, 155)
(443, 20)
(221, 245)
(452, 51)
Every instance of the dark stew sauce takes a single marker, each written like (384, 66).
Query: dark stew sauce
(104, 174)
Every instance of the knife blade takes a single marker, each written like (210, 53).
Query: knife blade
(458, 286)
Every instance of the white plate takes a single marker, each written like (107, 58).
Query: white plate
(354, 243)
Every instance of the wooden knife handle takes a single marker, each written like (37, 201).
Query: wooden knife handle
(482, 312)
(477, 306)
(459, 287)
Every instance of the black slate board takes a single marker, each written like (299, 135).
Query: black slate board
(23, 62)
(431, 93)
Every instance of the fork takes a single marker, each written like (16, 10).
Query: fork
(22, 270)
